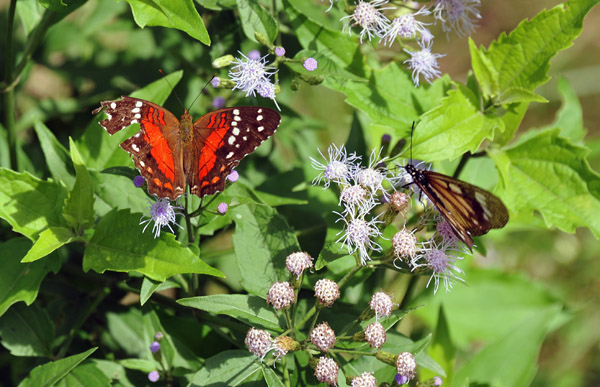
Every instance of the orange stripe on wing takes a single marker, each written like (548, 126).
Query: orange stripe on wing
(161, 152)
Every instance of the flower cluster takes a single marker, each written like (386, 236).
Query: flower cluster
(370, 17)
(363, 190)
(252, 75)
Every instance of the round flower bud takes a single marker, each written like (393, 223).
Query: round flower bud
(405, 245)
(366, 379)
(323, 337)
(327, 291)
(381, 304)
(375, 335)
(218, 102)
(281, 295)
(284, 344)
(406, 365)
(233, 176)
(215, 82)
(310, 64)
(437, 381)
(138, 181)
(223, 61)
(222, 208)
(153, 376)
(296, 263)
(155, 346)
(258, 342)
(327, 371)
(158, 335)
(399, 201)
(279, 51)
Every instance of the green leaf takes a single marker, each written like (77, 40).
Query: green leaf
(262, 241)
(251, 310)
(143, 365)
(29, 204)
(171, 14)
(126, 330)
(149, 287)
(272, 379)
(378, 97)
(52, 372)
(518, 95)
(442, 349)
(548, 174)
(57, 157)
(255, 19)
(453, 128)
(330, 252)
(21, 281)
(118, 192)
(521, 59)
(101, 150)
(27, 331)
(79, 206)
(50, 239)
(570, 116)
(230, 368)
(53, 5)
(118, 244)
(86, 375)
(500, 364)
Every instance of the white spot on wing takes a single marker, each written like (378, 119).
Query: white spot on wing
(233, 123)
(108, 116)
(133, 122)
(236, 112)
(231, 140)
(137, 135)
(259, 117)
(143, 164)
(135, 110)
(237, 145)
(244, 138)
(259, 110)
(236, 131)
(237, 118)
(113, 105)
(138, 104)
(135, 147)
(229, 155)
(260, 128)
(137, 116)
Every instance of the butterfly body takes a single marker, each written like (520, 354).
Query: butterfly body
(470, 210)
(174, 154)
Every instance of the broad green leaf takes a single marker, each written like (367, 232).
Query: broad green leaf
(519, 95)
(114, 371)
(262, 241)
(492, 302)
(21, 281)
(569, 118)
(453, 128)
(499, 364)
(27, 331)
(143, 365)
(52, 372)
(522, 59)
(511, 119)
(149, 287)
(378, 96)
(326, 67)
(101, 150)
(171, 14)
(85, 375)
(79, 206)
(548, 174)
(118, 192)
(30, 13)
(28, 204)
(251, 310)
(50, 239)
(255, 19)
(119, 244)
(230, 368)
(151, 325)
(53, 5)
(57, 157)
(125, 329)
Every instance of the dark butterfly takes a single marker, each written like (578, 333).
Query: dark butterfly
(470, 210)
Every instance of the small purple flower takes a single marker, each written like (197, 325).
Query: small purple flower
(254, 55)
(279, 51)
(215, 82)
(310, 64)
(425, 63)
(437, 381)
(218, 102)
(163, 214)
(222, 208)
(158, 335)
(400, 379)
(153, 376)
(155, 346)
(233, 176)
(139, 181)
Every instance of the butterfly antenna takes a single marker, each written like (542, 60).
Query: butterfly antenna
(172, 88)
(412, 130)
(204, 88)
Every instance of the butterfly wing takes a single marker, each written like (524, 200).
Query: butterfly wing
(156, 148)
(470, 210)
(226, 136)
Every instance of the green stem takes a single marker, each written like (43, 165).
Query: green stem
(286, 373)
(352, 352)
(349, 275)
(9, 95)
